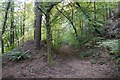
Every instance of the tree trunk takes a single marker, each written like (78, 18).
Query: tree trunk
(107, 14)
(103, 13)
(49, 37)
(110, 12)
(12, 24)
(94, 10)
(4, 24)
(38, 26)
(23, 28)
(49, 34)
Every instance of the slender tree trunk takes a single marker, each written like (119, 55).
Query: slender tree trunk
(107, 14)
(103, 13)
(23, 30)
(110, 12)
(12, 24)
(75, 29)
(4, 24)
(21, 26)
(38, 26)
(94, 10)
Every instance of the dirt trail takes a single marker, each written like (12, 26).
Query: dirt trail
(87, 70)
(73, 68)
(65, 67)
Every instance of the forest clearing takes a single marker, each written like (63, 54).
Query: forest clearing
(60, 39)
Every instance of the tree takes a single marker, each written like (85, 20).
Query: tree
(88, 17)
(70, 20)
(94, 10)
(23, 26)
(12, 25)
(4, 25)
(38, 22)
(49, 33)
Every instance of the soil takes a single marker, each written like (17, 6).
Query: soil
(70, 66)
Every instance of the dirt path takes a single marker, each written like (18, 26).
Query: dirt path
(87, 70)
(72, 67)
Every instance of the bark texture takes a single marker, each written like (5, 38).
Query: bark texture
(38, 26)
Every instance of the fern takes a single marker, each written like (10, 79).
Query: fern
(112, 45)
(17, 55)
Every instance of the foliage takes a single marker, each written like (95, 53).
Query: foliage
(26, 10)
(93, 41)
(68, 36)
(17, 55)
(10, 47)
(111, 45)
(90, 53)
(69, 23)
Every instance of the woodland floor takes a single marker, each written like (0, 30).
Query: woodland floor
(62, 67)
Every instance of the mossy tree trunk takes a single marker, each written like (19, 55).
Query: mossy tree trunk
(49, 33)
(48, 37)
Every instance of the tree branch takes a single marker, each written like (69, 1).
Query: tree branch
(88, 17)
(70, 22)
(41, 10)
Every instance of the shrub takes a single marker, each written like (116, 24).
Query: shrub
(111, 45)
(17, 55)
(90, 53)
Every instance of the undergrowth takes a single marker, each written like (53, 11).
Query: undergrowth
(90, 53)
(114, 50)
(17, 55)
